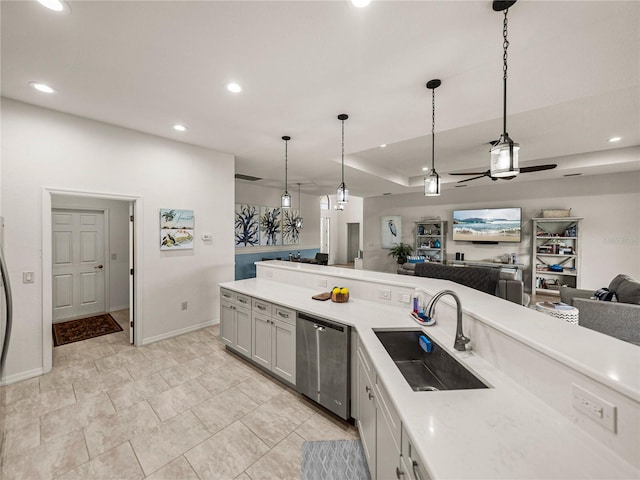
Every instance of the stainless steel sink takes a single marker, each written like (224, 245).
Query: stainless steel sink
(426, 371)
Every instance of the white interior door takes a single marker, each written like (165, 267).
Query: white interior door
(131, 273)
(78, 278)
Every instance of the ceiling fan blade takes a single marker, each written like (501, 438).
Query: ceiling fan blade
(538, 168)
(472, 178)
(471, 173)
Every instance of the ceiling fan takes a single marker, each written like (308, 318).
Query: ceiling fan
(535, 168)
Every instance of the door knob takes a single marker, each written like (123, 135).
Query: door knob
(99, 266)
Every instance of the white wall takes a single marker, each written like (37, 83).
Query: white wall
(43, 148)
(118, 243)
(610, 205)
(252, 194)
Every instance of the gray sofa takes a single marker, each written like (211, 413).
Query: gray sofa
(620, 319)
(488, 280)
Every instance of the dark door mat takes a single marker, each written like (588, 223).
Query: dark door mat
(83, 329)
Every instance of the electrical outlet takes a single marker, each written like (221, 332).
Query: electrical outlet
(184, 305)
(322, 282)
(594, 407)
(384, 294)
(405, 298)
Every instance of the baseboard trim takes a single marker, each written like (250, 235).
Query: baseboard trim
(182, 331)
(120, 307)
(18, 377)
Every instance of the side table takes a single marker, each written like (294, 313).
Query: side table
(569, 315)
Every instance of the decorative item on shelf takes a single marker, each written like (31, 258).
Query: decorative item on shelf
(340, 294)
(436, 244)
(432, 181)
(504, 153)
(285, 200)
(343, 192)
(556, 213)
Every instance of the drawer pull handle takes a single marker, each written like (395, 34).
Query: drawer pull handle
(242, 301)
(367, 388)
(371, 397)
(283, 315)
(226, 295)
(399, 473)
(261, 307)
(416, 472)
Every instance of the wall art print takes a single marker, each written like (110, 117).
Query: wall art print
(391, 229)
(176, 229)
(270, 226)
(290, 232)
(247, 225)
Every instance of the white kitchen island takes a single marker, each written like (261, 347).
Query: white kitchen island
(524, 425)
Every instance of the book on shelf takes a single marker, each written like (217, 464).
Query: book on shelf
(557, 305)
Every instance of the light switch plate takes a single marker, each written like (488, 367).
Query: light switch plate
(384, 294)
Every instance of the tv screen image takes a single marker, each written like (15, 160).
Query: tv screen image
(487, 225)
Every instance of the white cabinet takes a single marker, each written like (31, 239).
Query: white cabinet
(273, 344)
(366, 412)
(235, 321)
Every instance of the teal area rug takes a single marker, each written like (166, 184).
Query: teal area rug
(334, 460)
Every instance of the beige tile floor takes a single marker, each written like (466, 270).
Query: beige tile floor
(182, 408)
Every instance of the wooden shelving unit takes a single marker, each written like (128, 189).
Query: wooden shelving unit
(555, 256)
(431, 240)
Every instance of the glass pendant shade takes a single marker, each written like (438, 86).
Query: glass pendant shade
(432, 184)
(504, 158)
(285, 200)
(343, 194)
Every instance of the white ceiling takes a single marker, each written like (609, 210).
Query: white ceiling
(574, 71)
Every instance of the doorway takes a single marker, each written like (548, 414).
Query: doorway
(353, 241)
(66, 206)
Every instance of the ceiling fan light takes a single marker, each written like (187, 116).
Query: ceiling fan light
(285, 200)
(504, 158)
(343, 194)
(432, 184)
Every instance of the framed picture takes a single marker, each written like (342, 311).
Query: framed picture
(176, 229)
(270, 226)
(391, 230)
(247, 226)
(290, 231)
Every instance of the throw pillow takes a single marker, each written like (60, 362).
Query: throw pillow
(629, 291)
(604, 294)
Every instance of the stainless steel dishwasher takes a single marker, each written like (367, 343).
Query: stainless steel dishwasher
(322, 363)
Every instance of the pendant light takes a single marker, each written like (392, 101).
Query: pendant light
(343, 192)
(432, 181)
(285, 200)
(504, 152)
(299, 221)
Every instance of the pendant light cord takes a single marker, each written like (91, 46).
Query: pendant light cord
(433, 129)
(505, 45)
(286, 187)
(343, 152)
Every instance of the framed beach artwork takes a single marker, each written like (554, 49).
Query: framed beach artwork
(176, 229)
(290, 232)
(270, 226)
(391, 230)
(247, 225)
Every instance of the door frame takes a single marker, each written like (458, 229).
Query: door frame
(135, 302)
(106, 251)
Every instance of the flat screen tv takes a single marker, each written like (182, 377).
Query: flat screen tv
(487, 225)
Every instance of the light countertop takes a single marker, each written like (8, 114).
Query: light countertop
(500, 432)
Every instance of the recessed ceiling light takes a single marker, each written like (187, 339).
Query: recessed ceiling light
(55, 5)
(233, 87)
(360, 3)
(179, 127)
(383, 145)
(41, 87)
(424, 169)
(615, 139)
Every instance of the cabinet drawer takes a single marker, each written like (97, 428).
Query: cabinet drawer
(389, 412)
(262, 307)
(366, 362)
(285, 314)
(227, 295)
(413, 466)
(242, 300)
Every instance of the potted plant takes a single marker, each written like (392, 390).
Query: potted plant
(400, 251)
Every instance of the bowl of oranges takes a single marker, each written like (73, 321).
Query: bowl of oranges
(340, 294)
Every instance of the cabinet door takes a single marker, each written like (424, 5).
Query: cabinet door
(283, 350)
(367, 418)
(261, 342)
(388, 454)
(228, 323)
(243, 331)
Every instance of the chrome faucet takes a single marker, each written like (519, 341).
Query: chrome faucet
(461, 340)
